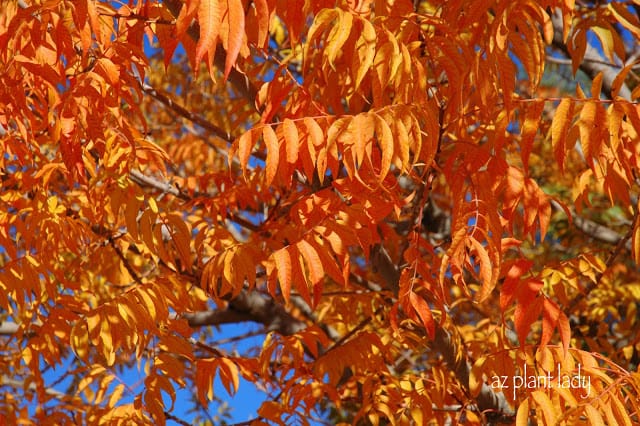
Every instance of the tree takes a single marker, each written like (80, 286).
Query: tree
(431, 207)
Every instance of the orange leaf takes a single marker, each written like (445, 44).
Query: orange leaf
(245, 145)
(385, 140)
(328, 262)
(262, 12)
(312, 260)
(228, 373)
(511, 281)
(367, 44)
(209, 21)
(424, 312)
(593, 415)
(282, 259)
(487, 278)
(635, 239)
(235, 38)
(564, 327)
(273, 152)
(560, 125)
(529, 129)
(290, 132)
(338, 37)
(588, 121)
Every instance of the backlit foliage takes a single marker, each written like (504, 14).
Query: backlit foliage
(414, 199)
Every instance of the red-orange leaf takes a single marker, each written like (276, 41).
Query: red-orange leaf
(511, 281)
(424, 312)
(526, 313)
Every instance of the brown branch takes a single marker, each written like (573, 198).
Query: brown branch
(185, 113)
(595, 230)
(492, 404)
(147, 181)
(592, 63)
(19, 384)
(8, 328)
(178, 420)
(250, 306)
(600, 232)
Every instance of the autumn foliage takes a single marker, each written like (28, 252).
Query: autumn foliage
(429, 207)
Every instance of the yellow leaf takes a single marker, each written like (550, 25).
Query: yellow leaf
(367, 44)
(595, 419)
(522, 417)
(152, 205)
(116, 394)
(545, 404)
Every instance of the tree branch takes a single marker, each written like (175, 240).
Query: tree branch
(185, 113)
(593, 229)
(592, 63)
(8, 328)
(492, 404)
(250, 306)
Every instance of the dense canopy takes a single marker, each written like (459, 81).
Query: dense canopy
(428, 210)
